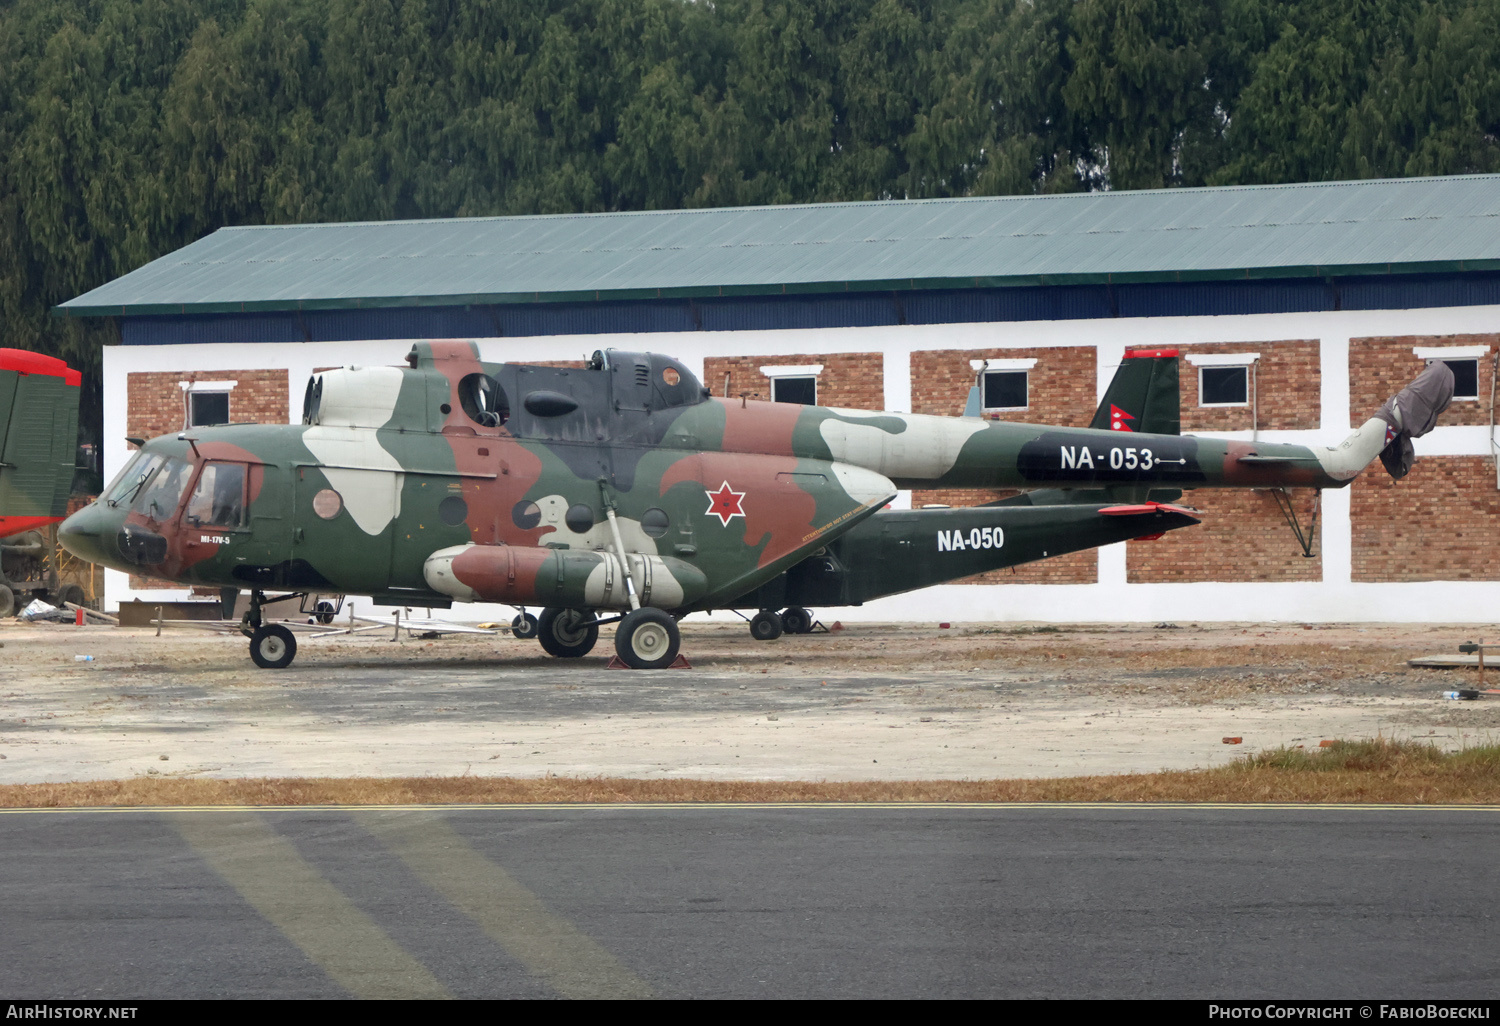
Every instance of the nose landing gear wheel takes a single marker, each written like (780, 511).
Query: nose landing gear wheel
(273, 647)
(647, 639)
(567, 633)
(323, 613)
(524, 626)
(796, 620)
(766, 626)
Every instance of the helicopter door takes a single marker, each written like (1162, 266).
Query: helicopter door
(236, 511)
(215, 518)
(266, 493)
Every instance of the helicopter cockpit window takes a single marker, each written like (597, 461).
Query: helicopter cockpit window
(219, 498)
(129, 481)
(312, 399)
(483, 400)
(159, 499)
(673, 383)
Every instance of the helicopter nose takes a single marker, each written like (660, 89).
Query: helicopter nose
(85, 533)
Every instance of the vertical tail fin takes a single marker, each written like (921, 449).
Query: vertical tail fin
(38, 434)
(1143, 395)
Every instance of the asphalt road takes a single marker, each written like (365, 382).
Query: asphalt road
(714, 901)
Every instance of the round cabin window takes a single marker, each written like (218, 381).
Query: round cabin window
(655, 522)
(327, 503)
(579, 518)
(453, 510)
(526, 515)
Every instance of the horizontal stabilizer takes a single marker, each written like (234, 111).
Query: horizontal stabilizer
(1135, 509)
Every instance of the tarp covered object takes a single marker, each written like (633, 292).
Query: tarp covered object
(1411, 413)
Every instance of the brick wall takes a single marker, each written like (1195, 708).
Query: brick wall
(154, 406)
(1286, 376)
(1242, 538)
(154, 402)
(1379, 367)
(852, 380)
(1062, 389)
(1439, 523)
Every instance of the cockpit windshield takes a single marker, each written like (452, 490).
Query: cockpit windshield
(128, 481)
(160, 496)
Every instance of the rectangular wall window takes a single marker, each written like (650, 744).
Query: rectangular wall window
(794, 383)
(1223, 386)
(1463, 361)
(208, 408)
(1465, 378)
(795, 390)
(1000, 384)
(207, 402)
(1006, 389)
(1224, 379)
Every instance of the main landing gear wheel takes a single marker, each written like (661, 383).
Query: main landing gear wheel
(323, 613)
(7, 601)
(524, 626)
(796, 620)
(647, 639)
(273, 647)
(766, 626)
(567, 633)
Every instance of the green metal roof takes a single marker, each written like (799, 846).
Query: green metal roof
(1408, 225)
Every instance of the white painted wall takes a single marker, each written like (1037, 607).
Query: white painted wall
(1335, 599)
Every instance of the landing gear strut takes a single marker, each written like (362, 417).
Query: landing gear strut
(251, 621)
(272, 646)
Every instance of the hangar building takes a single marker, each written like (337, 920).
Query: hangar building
(1297, 310)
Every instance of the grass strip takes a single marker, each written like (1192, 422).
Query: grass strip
(1369, 771)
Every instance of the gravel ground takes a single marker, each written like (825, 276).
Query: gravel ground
(873, 702)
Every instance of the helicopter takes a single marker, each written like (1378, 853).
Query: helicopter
(623, 493)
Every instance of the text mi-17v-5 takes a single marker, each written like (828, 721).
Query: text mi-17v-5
(622, 492)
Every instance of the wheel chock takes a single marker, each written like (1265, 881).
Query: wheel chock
(680, 663)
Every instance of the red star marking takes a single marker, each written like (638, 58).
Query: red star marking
(1118, 417)
(725, 504)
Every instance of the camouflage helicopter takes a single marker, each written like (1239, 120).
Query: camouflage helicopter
(624, 488)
